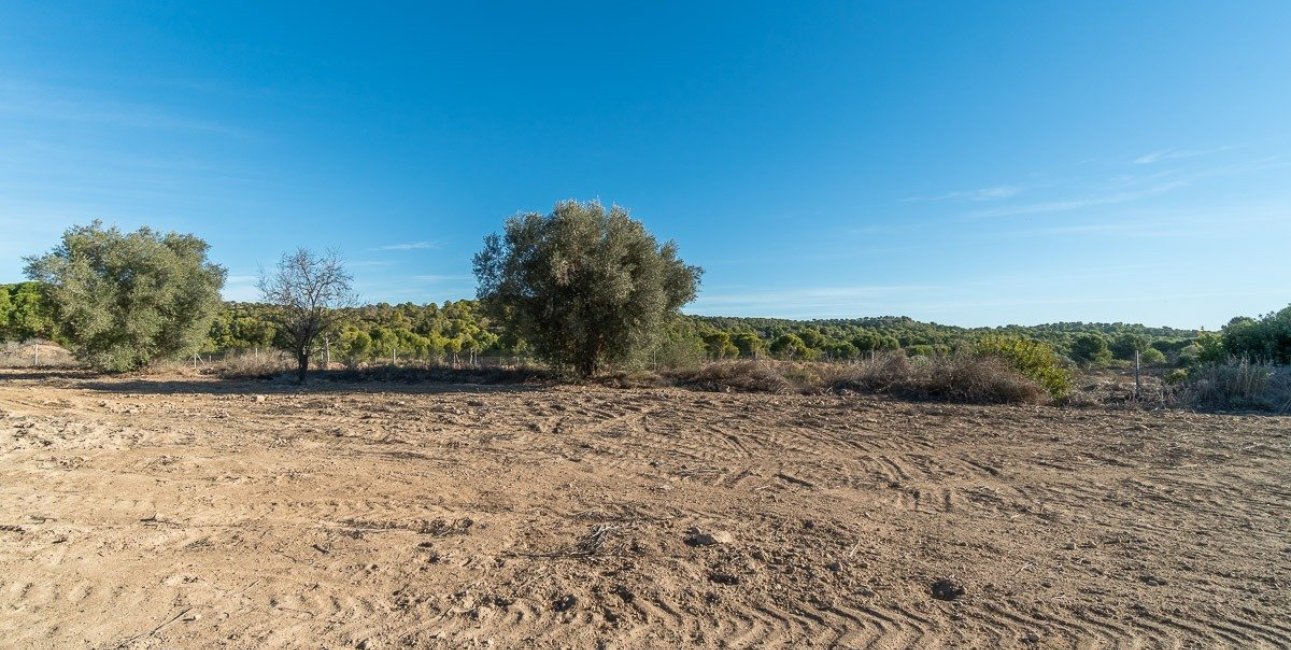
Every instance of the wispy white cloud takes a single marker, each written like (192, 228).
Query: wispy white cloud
(441, 278)
(1188, 224)
(64, 105)
(824, 301)
(1176, 154)
(408, 246)
(994, 193)
(1080, 203)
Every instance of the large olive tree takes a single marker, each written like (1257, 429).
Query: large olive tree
(123, 300)
(585, 286)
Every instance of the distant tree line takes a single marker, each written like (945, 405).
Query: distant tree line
(583, 287)
(461, 330)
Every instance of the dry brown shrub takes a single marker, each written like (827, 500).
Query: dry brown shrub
(735, 376)
(960, 378)
(976, 380)
(882, 374)
(1237, 384)
(36, 353)
(248, 366)
(632, 379)
(969, 379)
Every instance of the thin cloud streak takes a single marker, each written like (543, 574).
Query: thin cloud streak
(1177, 154)
(995, 193)
(408, 246)
(1077, 204)
(442, 278)
(52, 104)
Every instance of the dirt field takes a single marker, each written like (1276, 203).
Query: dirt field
(197, 513)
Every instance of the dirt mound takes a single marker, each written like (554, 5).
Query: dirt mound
(189, 512)
(35, 354)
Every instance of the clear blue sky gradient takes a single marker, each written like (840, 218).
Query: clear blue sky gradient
(970, 163)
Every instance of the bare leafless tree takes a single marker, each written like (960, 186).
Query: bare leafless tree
(309, 290)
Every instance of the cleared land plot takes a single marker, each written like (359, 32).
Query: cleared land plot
(184, 512)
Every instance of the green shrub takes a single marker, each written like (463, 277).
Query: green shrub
(1152, 356)
(1210, 349)
(790, 346)
(1031, 358)
(1091, 350)
(1265, 339)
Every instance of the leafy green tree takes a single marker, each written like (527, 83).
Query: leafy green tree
(122, 300)
(1091, 350)
(6, 308)
(29, 315)
(355, 344)
(812, 338)
(1267, 338)
(749, 344)
(1126, 344)
(309, 291)
(718, 345)
(841, 350)
(679, 346)
(1152, 357)
(790, 346)
(585, 286)
(1210, 349)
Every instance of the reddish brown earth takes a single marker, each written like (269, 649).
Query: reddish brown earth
(181, 512)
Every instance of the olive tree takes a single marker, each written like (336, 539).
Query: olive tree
(1091, 350)
(584, 286)
(309, 290)
(122, 300)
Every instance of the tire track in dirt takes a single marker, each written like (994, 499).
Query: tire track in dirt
(136, 507)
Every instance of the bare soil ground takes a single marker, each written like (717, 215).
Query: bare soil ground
(188, 512)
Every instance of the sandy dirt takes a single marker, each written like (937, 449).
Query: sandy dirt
(182, 512)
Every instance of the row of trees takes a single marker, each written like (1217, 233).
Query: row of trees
(581, 287)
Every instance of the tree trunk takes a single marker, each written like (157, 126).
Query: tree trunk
(302, 366)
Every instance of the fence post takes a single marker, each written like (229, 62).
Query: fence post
(1137, 382)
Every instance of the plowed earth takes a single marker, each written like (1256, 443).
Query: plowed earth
(181, 512)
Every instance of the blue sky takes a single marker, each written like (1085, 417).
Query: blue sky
(967, 163)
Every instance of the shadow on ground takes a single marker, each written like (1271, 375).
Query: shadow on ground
(411, 381)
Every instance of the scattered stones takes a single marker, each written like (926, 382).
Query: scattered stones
(442, 527)
(623, 592)
(697, 537)
(724, 578)
(944, 589)
(564, 603)
(1152, 581)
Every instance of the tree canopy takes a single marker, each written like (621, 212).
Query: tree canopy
(585, 286)
(122, 300)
